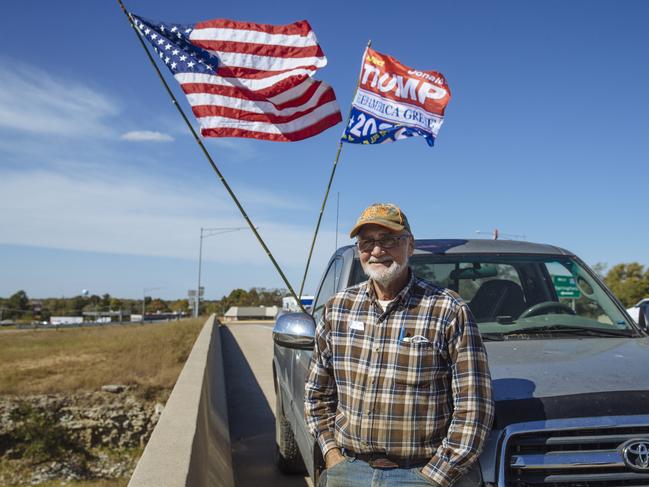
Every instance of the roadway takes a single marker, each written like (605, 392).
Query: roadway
(247, 358)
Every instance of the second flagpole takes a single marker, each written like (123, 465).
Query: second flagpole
(331, 178)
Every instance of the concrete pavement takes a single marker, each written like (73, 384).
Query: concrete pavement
(247, 355)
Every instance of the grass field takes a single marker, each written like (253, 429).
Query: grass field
(83, 359)
(87, 483)
(71, 360)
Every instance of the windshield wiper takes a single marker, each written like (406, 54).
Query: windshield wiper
(492, 337)
(571, 330)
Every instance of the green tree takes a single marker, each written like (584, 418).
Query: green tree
(104, 304)
(157, 305)
(73, 306)
(18, 301)
(629, 282)
(91, 303)
(252, 297)
(180, 305)
(45, 314)
(147, 301)
(600, 269)
(38, 436)
(17, 305)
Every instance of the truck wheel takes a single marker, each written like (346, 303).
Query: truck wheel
(287, 453)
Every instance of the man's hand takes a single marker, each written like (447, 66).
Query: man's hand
(333, 457)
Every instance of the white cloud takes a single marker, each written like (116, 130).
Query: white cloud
(146, 136)
(240, 149)
(141, 216)
(33, 101)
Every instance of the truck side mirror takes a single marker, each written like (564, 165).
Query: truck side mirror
(294, 330)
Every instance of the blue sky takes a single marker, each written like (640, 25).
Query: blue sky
(546, 136)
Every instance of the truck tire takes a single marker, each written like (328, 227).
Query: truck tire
(287, 453)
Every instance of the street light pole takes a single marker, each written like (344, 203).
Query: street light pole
(208, 232)
(197, 299)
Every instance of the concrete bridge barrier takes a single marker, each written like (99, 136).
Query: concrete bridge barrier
(190, 445)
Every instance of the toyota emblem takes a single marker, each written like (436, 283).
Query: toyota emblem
(636, 454)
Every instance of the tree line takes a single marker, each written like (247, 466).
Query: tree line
(20, 307)
(629, 282)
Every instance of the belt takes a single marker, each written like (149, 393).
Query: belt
(385, 462)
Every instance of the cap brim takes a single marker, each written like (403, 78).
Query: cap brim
(396, 227)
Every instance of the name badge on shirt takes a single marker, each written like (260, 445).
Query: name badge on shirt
(356, 325)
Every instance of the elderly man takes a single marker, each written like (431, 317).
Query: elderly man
(399, 392)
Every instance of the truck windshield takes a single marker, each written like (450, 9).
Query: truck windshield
(512, 295)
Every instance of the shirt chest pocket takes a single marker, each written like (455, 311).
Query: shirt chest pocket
(420, 364)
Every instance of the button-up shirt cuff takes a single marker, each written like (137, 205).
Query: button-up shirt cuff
(440, 473)
(326, 442)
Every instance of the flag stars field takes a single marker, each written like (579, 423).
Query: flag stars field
(169, 38)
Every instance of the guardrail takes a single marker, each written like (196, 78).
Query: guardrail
(190, 446)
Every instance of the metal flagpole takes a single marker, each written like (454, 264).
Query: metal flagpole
(331, 178)
(209, 158)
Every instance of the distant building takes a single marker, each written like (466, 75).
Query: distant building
(66, 320)
(103, 316)
(290, 304)
(237, 313)
(158, 316)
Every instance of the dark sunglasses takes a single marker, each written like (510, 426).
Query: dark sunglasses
(387, 242)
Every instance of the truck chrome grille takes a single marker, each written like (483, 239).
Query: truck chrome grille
(574, 457)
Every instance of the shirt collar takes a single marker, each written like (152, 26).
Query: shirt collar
(402, 296)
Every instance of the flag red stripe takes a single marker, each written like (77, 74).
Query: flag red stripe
(250, 73)
(222, 111)
(297, 28)
(305, 133)
(234, 92)
(271, 50)
(272, 90)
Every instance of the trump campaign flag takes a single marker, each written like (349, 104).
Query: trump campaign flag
(247, 80)
(394, 102)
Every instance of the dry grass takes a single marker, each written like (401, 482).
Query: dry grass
(89, 483)
(83, 359)
(20, 476)
(121, 482)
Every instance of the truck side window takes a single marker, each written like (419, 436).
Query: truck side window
(328, 288)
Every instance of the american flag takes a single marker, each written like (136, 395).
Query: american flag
(247, 80)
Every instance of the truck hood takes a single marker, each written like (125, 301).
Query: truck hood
(563, 378)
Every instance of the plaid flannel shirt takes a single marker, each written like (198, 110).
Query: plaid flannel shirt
(373, 389)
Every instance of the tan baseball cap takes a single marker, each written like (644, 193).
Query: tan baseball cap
(384, 214)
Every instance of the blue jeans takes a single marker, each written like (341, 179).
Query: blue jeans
(353, 472)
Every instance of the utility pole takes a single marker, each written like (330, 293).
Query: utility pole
(205, 233)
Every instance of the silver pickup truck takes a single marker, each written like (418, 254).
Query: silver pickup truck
(570, 368)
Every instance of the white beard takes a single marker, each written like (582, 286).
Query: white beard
(386, 275)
